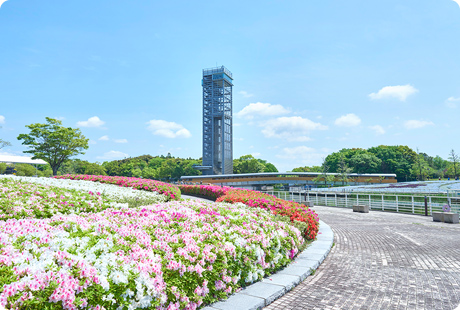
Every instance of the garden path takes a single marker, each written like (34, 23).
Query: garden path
(382, 260)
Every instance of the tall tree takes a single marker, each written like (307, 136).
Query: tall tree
(54, 143)
(454, 158)
(365, 163)
(396, 159)
(324, 175)
(247, 164)
(421, 168)
(343, 170)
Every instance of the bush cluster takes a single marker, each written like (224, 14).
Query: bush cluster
(169, 190)
(295, 211)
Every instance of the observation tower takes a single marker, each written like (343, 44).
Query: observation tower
(217, 121)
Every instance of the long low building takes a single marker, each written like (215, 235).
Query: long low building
(258, 180)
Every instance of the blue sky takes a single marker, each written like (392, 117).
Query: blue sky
(310, 77)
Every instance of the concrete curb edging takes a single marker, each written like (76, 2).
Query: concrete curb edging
(261, 294)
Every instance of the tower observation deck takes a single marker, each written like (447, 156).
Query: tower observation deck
(217, 121)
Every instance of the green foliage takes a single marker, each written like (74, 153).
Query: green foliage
(77, 166)
(400, 160)
(53, 143)
(397, 159)
(343, 170)
(307, 169)
(421, 170)
(249, 164)
(324, 176)
(149, 167)
(455, 159)
(26, 170)
(365, 163)
(2, 168)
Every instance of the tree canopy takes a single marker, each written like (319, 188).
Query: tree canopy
(249, 164)
(54, 143)
(401, 160)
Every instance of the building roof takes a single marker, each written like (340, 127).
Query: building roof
(21, 160)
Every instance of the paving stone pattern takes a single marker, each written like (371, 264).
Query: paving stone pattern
(382, 260)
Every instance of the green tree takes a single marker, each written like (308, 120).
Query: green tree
(112, 168)
(26, 170)
(454, 158)
(247, 164)
(343, 170)
(397, 159)
(324, 176)
(332, 160)
(53, 143)
(421, 169)
(2, 168)
(268, 167)
(149, 173)
(307, 169)
(365, 163)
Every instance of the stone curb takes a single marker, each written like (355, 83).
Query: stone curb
(261, 294)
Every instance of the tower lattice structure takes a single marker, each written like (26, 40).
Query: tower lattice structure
(217, 121)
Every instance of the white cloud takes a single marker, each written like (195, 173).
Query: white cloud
(2, 119)
(245, 94)
(112, 155)
(1, 2)
(104, 138)
(120, 140)
(349, 120)
(91, 122)
(262, 109)
(457, 1)
(256, 154)
(378, 129)
(414, 124)
(293, 128)
(92, 142)
(400, 92)
(452, 102)
(168, 129)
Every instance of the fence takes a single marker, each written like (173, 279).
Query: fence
(394, 203)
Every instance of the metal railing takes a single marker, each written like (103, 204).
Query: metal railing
(414, 204)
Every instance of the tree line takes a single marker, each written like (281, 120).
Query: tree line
(407, 164)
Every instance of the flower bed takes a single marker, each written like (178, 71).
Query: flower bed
(177, 255)
(169, 190)
(19, 200)
(112, 191)
(255, 199)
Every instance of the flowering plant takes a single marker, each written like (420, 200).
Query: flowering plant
(178, 255)
(169, 190)
(255, 199)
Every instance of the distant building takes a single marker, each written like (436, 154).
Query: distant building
(217, 122)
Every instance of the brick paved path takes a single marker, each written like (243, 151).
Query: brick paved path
(382, 261)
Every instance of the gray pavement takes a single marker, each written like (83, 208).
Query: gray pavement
(382, 260)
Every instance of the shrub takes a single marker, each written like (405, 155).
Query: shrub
(169, 190)
(2, 168)
(294, 211)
